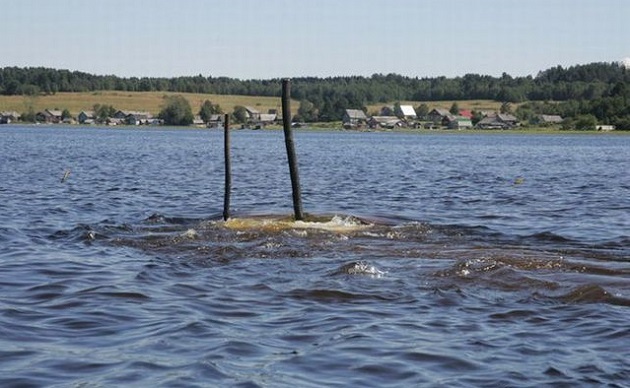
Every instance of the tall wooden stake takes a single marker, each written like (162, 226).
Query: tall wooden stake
(288, 140)
(228, 168)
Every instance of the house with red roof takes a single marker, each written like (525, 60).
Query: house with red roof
(466, 113)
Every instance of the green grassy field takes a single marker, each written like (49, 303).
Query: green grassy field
(153, 101)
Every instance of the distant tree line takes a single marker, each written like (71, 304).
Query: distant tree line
(600, 90)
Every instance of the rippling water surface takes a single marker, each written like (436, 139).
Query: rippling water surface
(429, 260)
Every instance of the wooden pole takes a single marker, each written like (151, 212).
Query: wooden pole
(228, 168)
(288, 140)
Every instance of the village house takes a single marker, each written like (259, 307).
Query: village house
(460, 122)
(466, 113)
(408, 112)
(114, 121)
(86, 117)
(9, 117)
(276, 112)
(198, 122)
(131, 117)
(253, 115)
(440, 116)
(267, 118)
(510, 120)
(215, 121)
(49, 116)
(549, 119)
(354, 118)
(498, 121)
(121, 114)
(489, 122)
(388, 122)
(138, 118)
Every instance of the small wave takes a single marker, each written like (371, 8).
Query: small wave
(592, 293)
(325, 295)
(157, 218)
(81, 233)
(521, 260)
(359, 268)
(466, 267)
(548, 237)
(620, 243)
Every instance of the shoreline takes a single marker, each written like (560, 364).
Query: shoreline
(320, 127)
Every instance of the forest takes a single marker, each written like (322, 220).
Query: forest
(597, 91)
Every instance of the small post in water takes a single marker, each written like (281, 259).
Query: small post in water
(228, 168)
(288, 140)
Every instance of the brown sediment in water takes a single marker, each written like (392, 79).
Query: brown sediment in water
(279, 223)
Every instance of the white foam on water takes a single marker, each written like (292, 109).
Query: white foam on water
(336, 224)
(361, 268)
(190, 233)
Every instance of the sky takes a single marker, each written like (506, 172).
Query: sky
(265, 39)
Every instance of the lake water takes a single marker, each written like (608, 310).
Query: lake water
(434, 260)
